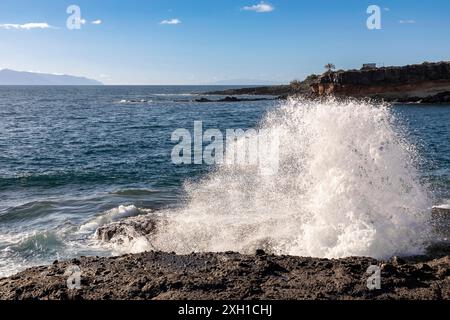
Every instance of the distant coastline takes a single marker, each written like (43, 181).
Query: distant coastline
(14, 78)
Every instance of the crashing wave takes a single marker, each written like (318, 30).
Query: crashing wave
(347, 185)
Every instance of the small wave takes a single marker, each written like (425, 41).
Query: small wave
(39, 242)
(21, 252)
(53, 179)
(134, 192)
(443, 206)
(112, 215)
(135, 101)
(27, 211)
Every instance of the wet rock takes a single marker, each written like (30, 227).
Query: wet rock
(396, 261)
(130, 228)
(75, 261)
(425, 268)
(260, 252)
(203, 100)
(388, 268)
(441, 211)
(232, 99)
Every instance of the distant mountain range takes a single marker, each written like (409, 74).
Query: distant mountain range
(11, 77)
(245, 82)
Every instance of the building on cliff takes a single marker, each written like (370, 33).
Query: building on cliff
(369, 66)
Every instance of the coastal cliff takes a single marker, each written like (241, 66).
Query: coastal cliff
(427, 82)
(420, 83)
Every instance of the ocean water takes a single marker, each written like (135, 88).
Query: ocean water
(354, 178)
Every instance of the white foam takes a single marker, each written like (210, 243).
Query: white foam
(129, 242)
(347, 186)
(444, 206)
(134, 101)
(112, 215)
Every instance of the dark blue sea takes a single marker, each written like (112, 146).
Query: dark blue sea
(69, 155)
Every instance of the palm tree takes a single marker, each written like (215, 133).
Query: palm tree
(329, 67)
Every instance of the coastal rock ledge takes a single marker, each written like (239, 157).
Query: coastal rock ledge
(426, 82)
(159, 275)
(419, 83)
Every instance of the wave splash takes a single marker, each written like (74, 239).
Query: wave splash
(112, 215)
(347, 185)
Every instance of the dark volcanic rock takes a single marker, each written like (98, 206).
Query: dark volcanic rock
(283, 91)
(234, 99)
(130, 228)
(442, 97)
(159, 275)
(203, 100)
(270, 90)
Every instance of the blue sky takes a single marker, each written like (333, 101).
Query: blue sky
(205, 41)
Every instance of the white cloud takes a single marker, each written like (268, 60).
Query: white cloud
(98, 21)
(171, 21)
(386, 9)
(83, 21)
(260, 8)
(407, 21)
(25, 26)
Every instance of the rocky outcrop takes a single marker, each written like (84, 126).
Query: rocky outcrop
(234, 99)
(296, 87)
(128, 229)
(268, 90)
(427, 82)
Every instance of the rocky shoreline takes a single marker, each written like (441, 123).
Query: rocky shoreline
(427, 83)
(230, 276)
